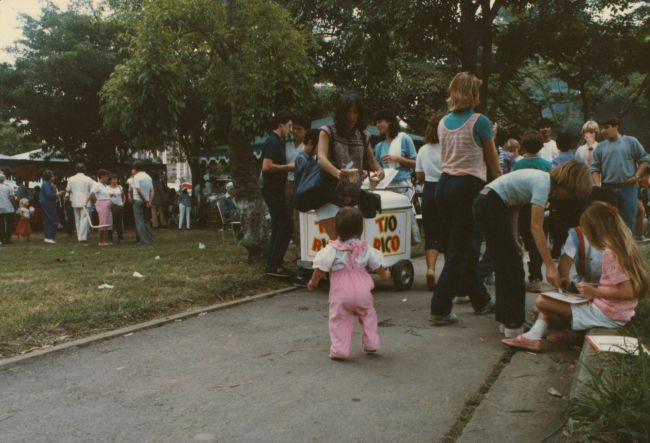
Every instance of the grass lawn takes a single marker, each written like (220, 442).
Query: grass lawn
(49, 294)
(616, 405)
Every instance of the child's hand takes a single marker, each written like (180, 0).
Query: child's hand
(312, 285)
(387, 275)
(587, 290)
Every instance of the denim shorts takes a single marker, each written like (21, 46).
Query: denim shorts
(588, 315)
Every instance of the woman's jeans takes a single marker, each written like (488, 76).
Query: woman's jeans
(493, 217)
(454, 197)
(118, 222)
(184, 212)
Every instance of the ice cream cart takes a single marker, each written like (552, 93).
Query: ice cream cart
(389, 232)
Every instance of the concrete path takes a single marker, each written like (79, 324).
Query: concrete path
(258, 372)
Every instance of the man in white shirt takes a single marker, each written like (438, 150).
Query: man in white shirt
(550, 150)
(77, 191)
(142, 194)
(7, 211)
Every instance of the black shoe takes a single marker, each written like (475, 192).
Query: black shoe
(280, 271)
(487, 309)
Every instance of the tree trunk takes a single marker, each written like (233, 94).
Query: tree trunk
(586, 110)
(242, 161)
(469, 35)
(251, 207)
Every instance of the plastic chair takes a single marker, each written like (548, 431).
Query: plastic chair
(235, 225)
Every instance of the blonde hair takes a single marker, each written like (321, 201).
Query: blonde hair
(464, 91)
(590, 126)
(572, 176)
(512, 143)
(605, 228)
(24, 202)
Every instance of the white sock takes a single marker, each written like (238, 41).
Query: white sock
(537, 331)
(512, 332)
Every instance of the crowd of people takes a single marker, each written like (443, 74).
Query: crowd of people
(81, 204)
(512, 194)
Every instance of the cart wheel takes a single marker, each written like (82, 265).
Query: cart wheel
(403, 275)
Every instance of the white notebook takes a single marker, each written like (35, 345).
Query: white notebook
(615, 343)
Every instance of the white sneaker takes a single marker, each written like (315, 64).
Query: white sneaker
(50, 241)
(461, 299)
(512, 333)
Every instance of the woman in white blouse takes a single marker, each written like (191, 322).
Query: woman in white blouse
(428, 171)
(100, 193)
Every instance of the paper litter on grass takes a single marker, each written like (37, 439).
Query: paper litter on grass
(157, 257)
(105, 286)
(136, 274)
(201, 245)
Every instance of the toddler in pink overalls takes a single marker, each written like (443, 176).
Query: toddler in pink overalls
(346, 259)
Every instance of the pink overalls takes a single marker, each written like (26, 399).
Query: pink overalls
(350, 297)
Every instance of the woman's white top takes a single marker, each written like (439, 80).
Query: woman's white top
(116, 195)
(101, 191)
(428, 161)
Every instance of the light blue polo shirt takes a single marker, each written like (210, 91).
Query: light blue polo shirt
(522, 187)
(408, 151)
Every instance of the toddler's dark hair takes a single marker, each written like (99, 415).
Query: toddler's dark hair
(349, 223)
(532, 142)
(564, 141)
(312, 136)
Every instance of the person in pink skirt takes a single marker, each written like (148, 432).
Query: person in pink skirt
(348, 259)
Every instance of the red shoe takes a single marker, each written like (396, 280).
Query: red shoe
(522, 342)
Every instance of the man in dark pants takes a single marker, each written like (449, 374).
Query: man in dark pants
(7, 211)
(274, 179)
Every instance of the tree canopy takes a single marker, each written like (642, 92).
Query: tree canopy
(52, 89)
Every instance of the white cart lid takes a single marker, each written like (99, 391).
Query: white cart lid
(393, 200)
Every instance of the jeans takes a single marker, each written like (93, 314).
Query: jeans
(535, 259)
(627, 197)
(118, 222)
(184, 212)
(143, 229)
(6, 226)
(50, 220)
(494, 218)
(454, 197)
(281, 226)
(485, 267)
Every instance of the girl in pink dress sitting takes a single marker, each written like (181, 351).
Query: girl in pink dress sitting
(623, 281)
(347, 259)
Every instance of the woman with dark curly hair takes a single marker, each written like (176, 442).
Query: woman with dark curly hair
(344, 151)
